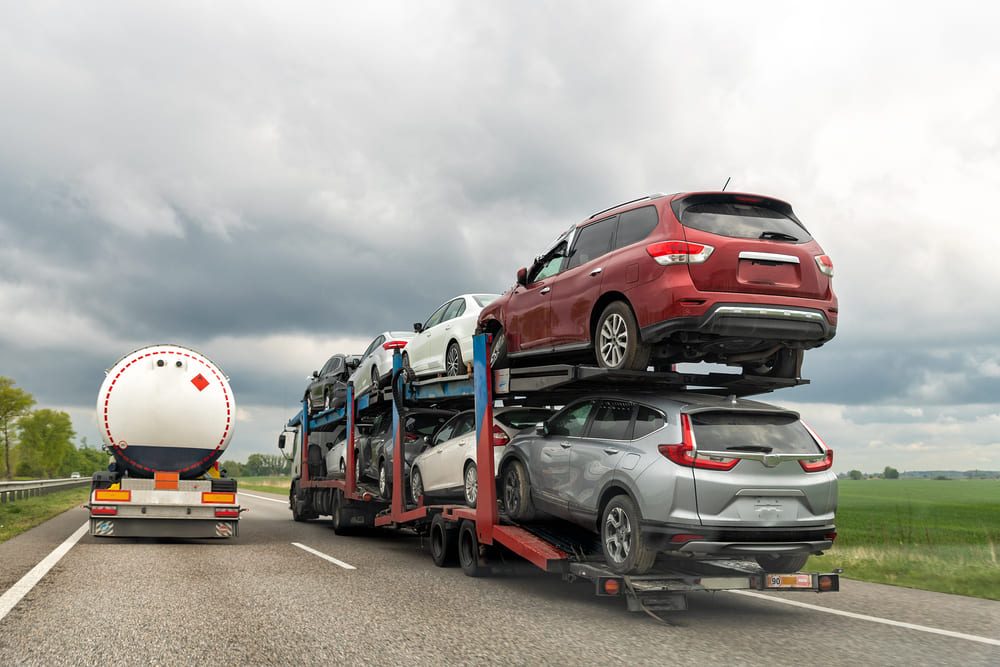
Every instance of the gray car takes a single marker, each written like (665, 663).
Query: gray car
(691, 475)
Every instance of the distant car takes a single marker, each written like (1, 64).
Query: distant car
(447, 467)
(376, 362)
(74, 475)
(328, 387)
(443, 343)
(714, 276)
(375, 444)
(690, 474)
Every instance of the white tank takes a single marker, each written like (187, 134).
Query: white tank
(166, 408)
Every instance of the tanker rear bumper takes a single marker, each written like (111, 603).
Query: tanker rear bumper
(157, 527)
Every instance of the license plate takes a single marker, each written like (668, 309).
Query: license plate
(789, 580)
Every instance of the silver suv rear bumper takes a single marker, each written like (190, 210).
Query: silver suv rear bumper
(753, 548)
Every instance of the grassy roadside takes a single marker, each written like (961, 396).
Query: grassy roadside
(936, 535)
(22, 515)
(278, 485)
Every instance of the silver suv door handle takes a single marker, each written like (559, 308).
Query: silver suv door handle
(610, 450)
(597, 270)
(565, 445)
(545, 290)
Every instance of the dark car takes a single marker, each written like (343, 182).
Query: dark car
(715, 276)
(328, 389)
(692, 475)
(375, 444)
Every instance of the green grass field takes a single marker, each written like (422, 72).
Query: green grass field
(21, 515)
(277, 485)
(936, 535)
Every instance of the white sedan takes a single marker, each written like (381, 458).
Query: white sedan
(376, 362)
(448, 466)
(443, 344)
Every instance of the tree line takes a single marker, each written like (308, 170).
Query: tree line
(258, 465)
(39, 443)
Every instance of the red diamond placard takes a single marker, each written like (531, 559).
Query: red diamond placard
(199, 382)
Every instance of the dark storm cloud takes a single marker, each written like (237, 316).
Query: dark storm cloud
(237, 178)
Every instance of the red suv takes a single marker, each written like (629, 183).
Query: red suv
(708, 276)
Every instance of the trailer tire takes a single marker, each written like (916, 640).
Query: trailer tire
(469, 557)
(622, 541)
(517, 492)
(782, 563)
(444, 542)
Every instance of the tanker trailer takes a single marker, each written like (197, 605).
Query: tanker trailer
(166, 414)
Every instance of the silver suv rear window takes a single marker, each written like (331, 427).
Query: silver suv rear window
(743, 221)
(719, 430)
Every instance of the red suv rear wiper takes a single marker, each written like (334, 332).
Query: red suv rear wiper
(777, 236)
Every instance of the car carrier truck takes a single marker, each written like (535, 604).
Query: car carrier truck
(166, 415)
(480, 537)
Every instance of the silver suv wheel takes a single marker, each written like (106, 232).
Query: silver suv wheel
(617, 535)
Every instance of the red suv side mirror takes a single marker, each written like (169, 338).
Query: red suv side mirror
(522, 276)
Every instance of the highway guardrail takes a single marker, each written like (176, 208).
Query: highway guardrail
(11, 491)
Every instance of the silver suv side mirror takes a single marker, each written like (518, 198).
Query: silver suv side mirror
(541, 428)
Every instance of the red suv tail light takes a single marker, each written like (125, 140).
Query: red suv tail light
(825, 265)
(683, 454)
(679, 252)
(823, 464)
(500, 437)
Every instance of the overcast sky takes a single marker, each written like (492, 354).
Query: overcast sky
(271, 184)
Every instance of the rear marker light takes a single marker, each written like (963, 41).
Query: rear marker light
(684, 454)
(394, 345)
(500, 437)
(825, 583)
(116, 495)
(103, 511)
(685, 537)
(679, 252)
(825, 265)
(830, 536)
(611, 586)
(218, 497)
(227, 513)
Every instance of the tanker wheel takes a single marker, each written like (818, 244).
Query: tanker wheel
(471, 559)
(443, 541)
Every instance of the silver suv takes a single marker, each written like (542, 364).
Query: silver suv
(690, 474)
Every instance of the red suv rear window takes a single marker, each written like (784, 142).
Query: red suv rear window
(744, 221)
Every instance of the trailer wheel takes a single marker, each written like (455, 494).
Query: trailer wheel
(444, 542)
(621, 538)
(782, 563)
(472, 562)
(517, 492)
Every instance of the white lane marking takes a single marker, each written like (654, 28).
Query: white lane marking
(873, 619)
(273, 500)
(14, 594)
(346, 566)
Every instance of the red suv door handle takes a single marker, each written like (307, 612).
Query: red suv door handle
(545, 290)
(597, 270)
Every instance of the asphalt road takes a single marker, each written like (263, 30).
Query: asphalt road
(260, 600)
